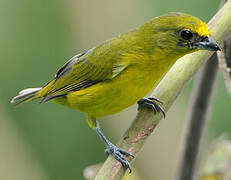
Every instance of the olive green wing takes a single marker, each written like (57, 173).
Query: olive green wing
(82, 71)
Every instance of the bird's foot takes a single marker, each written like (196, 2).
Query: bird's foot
(119, 155)
(151, 103)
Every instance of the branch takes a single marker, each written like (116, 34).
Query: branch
(197, 122)
(167, 90)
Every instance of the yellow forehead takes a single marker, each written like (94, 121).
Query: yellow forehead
(201, 29)
(194, 24)
(179, 21)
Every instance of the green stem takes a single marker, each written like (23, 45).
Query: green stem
(167, 90)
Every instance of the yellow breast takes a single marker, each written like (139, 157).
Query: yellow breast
(126, 89)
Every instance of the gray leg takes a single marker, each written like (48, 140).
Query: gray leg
(118, 154)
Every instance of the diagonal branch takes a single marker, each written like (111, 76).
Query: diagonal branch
(167, 90)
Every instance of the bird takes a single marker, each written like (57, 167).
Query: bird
(122, 70)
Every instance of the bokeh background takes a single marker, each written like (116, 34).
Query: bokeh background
(52, 142)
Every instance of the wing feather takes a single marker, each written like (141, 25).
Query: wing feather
(81, 72)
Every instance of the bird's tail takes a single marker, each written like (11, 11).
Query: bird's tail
(26, 95)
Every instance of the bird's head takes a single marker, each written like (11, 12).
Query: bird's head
(179, 33)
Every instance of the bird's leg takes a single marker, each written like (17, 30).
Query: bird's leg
(117, 153)
(151, 103)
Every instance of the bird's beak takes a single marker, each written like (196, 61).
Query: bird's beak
(208, 44)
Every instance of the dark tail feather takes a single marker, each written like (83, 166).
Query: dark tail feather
(50, 97)
(26, 95)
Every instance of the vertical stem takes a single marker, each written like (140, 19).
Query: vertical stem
(197, 122)
(224, 57)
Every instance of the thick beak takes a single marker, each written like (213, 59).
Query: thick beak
(208, 44)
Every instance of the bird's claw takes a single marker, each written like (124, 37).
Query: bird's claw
(151, 103)
(119, 155)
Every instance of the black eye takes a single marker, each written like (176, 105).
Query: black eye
(186, 35)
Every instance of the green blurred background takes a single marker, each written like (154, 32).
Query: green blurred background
(51, 142)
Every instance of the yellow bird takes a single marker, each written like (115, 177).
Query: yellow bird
(121, 71)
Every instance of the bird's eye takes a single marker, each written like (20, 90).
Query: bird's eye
(186, 34)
